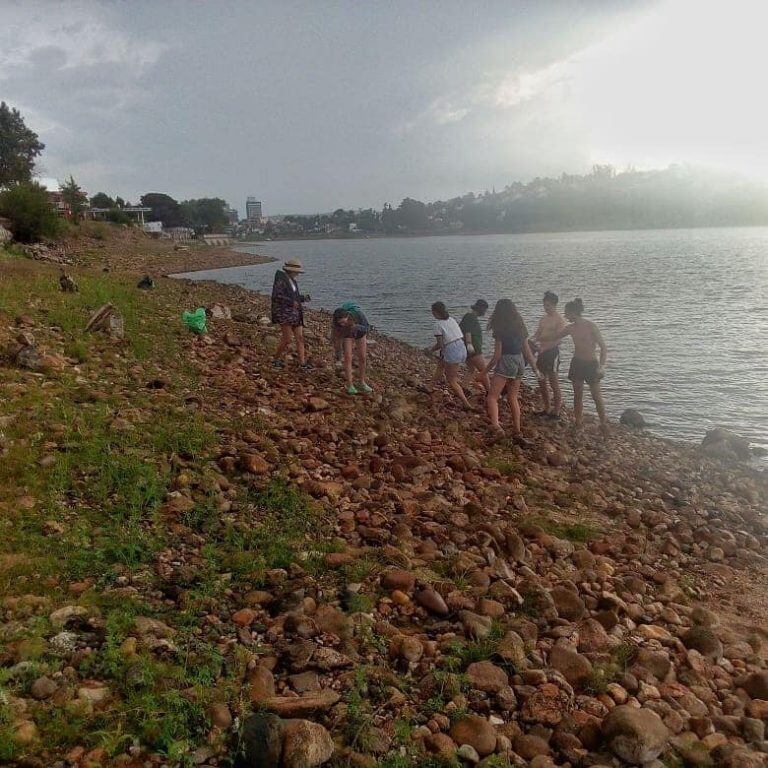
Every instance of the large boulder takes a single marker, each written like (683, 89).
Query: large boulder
(261, 742)
(574, 667)
(756, 685)
(475, 731)
(637, 736)
(632, 418)
(724, 444)
(705, 641)
(486, 676)
(568, 603)
(305, 744)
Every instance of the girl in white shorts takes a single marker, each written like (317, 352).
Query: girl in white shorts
(449, 342)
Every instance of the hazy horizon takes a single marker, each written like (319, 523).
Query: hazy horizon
(315, 106)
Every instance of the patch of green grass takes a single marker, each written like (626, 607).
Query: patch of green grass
(360, 569)
(360, 603)
(461, 654)
(9, 750)
(606, 672)
(576, 532)
(284, 521)
(504, 465)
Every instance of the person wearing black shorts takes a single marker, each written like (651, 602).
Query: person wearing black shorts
(548, 358)
(586, 367)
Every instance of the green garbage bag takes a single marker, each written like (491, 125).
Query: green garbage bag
(195, 321)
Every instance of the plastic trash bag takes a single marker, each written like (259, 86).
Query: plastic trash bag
(195, 321)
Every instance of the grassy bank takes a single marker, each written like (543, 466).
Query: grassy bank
(98, 453)
(190, 538)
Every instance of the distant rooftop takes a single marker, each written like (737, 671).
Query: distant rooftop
(127, 209)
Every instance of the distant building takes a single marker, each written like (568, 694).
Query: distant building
(232, 215)
(53, 188)
(217, 240)
(135, 212)
(178, 233)
(253, 210)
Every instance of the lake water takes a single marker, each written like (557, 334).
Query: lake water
(684, 312)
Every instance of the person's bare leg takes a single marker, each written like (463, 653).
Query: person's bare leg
(298, 335)
(482, 375)
(513, 398)
(469, 375)
(578, 402)
(439, 371)
(285, 340)
(557, 395)
(452, 374)
(544, 392)
(362, 356)
(347, 346)
(492, 400)
(597, 396)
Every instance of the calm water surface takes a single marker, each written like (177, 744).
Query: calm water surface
(684, 312)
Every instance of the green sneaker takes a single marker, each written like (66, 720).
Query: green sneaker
(365, 389)
(352, 389)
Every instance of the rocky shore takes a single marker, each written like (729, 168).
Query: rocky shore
(206, 561)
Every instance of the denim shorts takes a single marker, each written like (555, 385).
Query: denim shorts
(510, 367)
(455, 352)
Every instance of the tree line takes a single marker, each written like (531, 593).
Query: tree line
(678, 196)
(602, 199)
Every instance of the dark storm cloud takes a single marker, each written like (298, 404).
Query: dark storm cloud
(309, 105)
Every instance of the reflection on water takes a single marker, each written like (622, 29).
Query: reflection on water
(684, 312)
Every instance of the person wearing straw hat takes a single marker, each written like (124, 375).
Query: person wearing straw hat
(288, 312)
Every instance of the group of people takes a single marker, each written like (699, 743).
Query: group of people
(461, 343)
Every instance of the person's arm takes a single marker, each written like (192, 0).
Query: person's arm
(495, 357)
(600, 343)
(539, 330)
(563, 332)
(468, 344)
(528, 355)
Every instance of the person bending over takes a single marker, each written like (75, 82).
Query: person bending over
(586, 366)
(548, 358)
(473, 339)
(349, 329)
(510, 352)
(449, 343)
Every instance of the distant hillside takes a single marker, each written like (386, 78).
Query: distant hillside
(604, 199)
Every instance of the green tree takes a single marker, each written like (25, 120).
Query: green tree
(102, 200)
(75, 198)
(205, 215)
(120, 203)
(164, 208)
(28, 207)
(19, 146)
(412, 214)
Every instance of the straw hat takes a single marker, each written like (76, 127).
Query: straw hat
(293, 265)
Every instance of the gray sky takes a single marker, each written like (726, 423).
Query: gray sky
(316, 104)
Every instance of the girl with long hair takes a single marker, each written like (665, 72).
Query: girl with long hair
(507, 365)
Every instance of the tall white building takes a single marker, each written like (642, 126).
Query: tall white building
(253, 210)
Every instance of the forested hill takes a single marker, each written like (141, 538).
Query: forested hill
(604, 199)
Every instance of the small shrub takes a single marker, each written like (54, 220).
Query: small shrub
(30, 212)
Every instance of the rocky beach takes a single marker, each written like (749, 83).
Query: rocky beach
(207, 561)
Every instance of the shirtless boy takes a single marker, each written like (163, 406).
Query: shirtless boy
(549, 353)
(585, 365)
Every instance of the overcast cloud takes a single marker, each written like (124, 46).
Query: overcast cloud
(314, 105)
